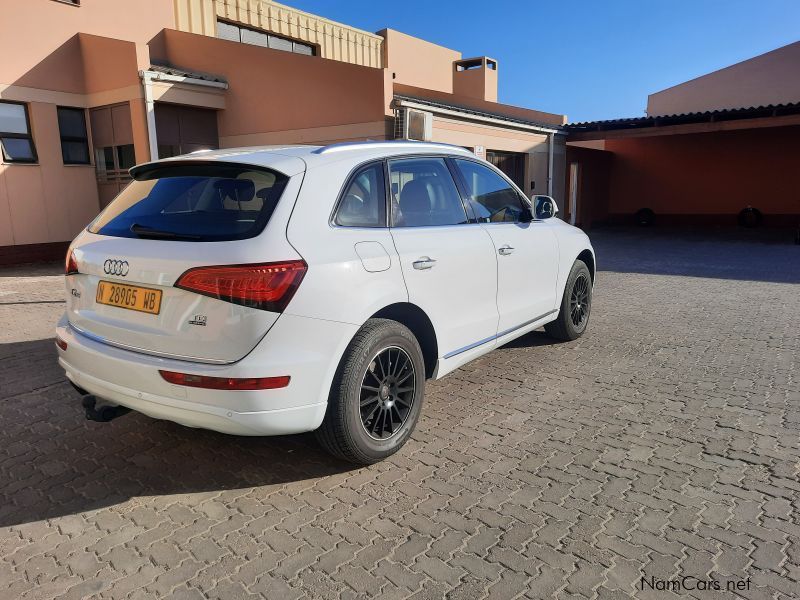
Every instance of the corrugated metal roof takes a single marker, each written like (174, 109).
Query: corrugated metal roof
(178, 72)
(479, 113)
(726, 114)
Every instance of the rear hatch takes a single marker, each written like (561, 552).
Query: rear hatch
(164, 230)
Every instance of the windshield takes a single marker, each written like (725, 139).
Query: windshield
(194, 203)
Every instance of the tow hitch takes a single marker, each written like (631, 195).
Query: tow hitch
(101, 414)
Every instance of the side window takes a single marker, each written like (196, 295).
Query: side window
(15, 133)
(364, 200)
(74, 140)
(493, 199)
(424, 193)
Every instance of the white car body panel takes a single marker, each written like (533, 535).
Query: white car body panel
(459, 291)
(571, 242)
(131, 379)
(474, 297)
(231, 331)
(340, 285)
(527, 257)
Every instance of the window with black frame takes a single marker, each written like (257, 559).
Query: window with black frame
(246, 35)
(74, 139)
(15, 133)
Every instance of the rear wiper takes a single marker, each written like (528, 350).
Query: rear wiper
(147, 232)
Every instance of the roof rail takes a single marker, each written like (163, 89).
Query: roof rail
(390, 144)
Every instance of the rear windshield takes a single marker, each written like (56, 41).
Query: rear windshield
(193, 203)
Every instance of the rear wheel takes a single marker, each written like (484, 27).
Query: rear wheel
(575, 305)
(376, 395)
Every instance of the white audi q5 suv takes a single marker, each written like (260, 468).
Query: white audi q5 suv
(266, 291)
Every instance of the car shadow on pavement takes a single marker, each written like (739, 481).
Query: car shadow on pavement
(744, 255)
(54, 463)
(532, 340)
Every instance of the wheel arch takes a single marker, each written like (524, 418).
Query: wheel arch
(413, 317)
(587, 257)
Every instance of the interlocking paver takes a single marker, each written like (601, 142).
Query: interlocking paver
(663, 443)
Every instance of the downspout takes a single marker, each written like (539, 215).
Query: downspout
(150, 108)
(550, 159)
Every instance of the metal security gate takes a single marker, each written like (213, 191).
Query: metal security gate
(510, 163)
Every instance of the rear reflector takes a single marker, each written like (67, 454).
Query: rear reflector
(226, 383)
(71, 266)
(268, 286)
(61, 343)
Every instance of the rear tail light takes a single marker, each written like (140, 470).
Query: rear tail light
(268, 286)
(226, 383)
(71, 265)
(61, 343)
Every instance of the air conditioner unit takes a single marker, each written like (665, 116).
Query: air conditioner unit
(415, 125)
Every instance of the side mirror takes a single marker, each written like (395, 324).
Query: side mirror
(544, 207)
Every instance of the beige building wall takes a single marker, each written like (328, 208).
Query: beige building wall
(89, 56)
(415, 62)
(479, 82)
(48, 201)
(318, 101)
(489, 137)
(509, 110)
(33, 30)
(335, 41)
(771, 78)
(47, 63)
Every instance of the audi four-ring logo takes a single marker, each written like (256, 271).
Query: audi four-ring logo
(116, 267)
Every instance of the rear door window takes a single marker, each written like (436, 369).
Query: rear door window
(194, 203)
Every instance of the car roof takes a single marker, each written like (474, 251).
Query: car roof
(295, 159)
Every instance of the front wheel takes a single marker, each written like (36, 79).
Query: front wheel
(575, 305)
(377, 394)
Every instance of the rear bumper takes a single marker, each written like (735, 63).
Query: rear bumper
(308, 350)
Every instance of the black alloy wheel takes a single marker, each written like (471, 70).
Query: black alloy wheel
(376, 395)
(576, 305)
(579, 301)
(387, 393)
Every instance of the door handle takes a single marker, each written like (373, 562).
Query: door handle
(505, 250)
(424, 262)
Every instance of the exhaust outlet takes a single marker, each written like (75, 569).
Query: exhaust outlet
(101, 414)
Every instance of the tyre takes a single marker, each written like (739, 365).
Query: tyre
(750, 217)
(377, 394)
(575, 305)
(645, 217)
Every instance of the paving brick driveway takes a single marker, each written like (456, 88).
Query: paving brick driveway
(664, 443)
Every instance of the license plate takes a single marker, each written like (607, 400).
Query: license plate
(129, 296)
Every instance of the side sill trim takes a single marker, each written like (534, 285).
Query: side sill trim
(499, 335)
